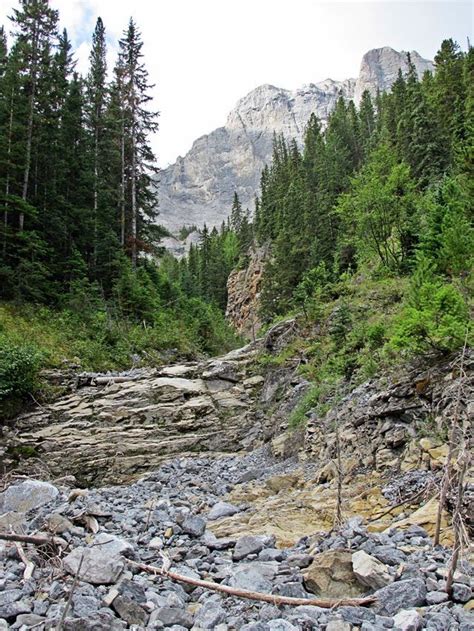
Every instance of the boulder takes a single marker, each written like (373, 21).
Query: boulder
(97, 566)
(330, 575)
(194, 525)
(395, 597)
(407, 620)
(256, 577)
(369, 571)
(27, 495)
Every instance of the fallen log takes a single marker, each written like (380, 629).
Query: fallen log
(244, 593)
(37, 540)
(324, 603)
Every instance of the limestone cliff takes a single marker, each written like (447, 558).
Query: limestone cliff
(198, 188)
(243, 288)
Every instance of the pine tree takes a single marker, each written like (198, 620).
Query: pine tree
(139, 122)
(97, 102)
(36, 25)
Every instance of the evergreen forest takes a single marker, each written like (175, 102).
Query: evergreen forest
(368, 226)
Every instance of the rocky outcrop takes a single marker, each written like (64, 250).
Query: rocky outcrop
(379, 69)
(243, 291)
(116, 430)
(198, 188)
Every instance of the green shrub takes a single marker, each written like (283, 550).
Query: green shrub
(19, 367)
(435, 317)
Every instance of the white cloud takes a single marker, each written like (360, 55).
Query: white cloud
(205, 54)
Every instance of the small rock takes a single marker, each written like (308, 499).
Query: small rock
(407, 620)
(338, 625)
(222, 509)
(279, 624)
(249, 544)
(169, 616)
(369, 571)
(129, 610)
(436, 597)
(28, 620)
(210, 615)
(194, 525)
(461, 593)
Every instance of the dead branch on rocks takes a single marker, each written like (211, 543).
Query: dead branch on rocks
(244, 593)
(29, 565)
(37, 540)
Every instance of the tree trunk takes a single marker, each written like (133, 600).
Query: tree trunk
(134, 177)
(29, 134)
(7, 179)
(96, 187)
(122, 184)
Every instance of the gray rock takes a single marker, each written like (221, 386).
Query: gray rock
(210, 615)
(100, 621)
(129, 610)
(169, 617)
(400, 595)
(389, 555)
(338, 625)
(292, 589)
(461, 593)
(194, 525)
(436, 597)
(438, 621)
(280, 624)
(249, 544)
(27, 495)
(98, 567)
(12, 605)
(213, 543)
(356, 615)
(299, 560)
(222, 509)
(407, 620)
(28, 620)
(255, 577)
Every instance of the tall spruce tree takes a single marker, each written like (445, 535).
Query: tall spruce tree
(139, 123)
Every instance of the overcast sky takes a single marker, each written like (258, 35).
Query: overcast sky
(204, 55)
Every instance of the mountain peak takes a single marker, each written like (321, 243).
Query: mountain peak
(199, 187)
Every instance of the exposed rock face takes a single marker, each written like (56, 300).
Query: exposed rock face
(243, 289)
(379, 69)
(113, 433)
(198, 188)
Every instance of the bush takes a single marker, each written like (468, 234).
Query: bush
(435, 317)
(19, 366)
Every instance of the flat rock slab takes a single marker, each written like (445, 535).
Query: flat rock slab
(27, 495)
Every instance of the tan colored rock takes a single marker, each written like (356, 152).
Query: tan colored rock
(426, 517)
(438, 456)
(330, 575)
(327, 473)
(279, 483)
(370, 571)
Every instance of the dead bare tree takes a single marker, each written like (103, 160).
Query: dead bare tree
(454, 432)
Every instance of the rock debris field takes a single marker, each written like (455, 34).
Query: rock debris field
(87, 582)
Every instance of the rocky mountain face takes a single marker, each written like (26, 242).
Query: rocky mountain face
(261, 518)
(198, 188)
